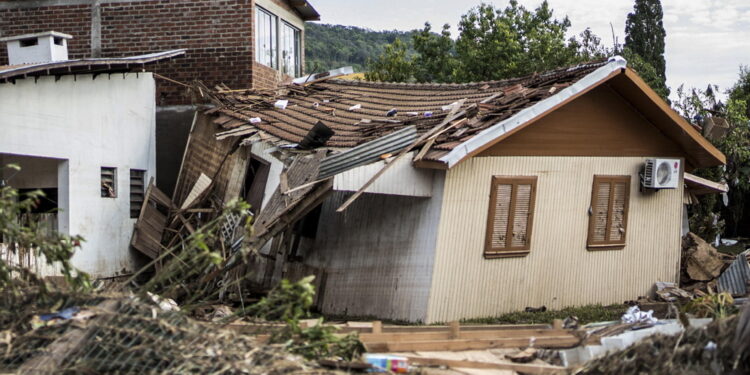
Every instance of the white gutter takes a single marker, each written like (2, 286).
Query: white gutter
(528, 114)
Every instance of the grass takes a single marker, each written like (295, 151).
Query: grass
(585, 314)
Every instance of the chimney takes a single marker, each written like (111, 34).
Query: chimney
(37, 48)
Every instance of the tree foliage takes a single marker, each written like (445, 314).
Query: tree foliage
(492, 44)
(712, 217)
(333, 46)
(644, 37)
(392, 65)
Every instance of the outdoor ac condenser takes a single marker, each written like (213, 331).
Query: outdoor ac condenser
(661, 173)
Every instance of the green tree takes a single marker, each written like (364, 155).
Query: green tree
(647, 72)
(644, 36)
(696, 106)
(741, 89)
(435, 60)
(496, 44)
(393, 65)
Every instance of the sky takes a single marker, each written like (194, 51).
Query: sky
(707, 40)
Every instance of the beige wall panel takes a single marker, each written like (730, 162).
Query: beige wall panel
(559, 271)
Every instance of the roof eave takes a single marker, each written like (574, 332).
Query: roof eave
(305, 9)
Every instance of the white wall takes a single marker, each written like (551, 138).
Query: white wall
(106, 121)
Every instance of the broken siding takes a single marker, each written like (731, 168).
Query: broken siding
(378, 254)
(559, 270)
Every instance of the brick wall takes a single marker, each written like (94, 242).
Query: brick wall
(217, 34)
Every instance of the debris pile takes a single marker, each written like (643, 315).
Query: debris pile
(126, 334)
(721, 347)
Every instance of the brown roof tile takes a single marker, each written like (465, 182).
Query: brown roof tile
(329, 101)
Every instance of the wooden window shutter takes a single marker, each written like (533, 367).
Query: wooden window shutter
(609, 212)
(510, 216)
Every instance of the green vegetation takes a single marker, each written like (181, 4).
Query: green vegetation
(27, 237)
(290, 302)
(492, 44)
(584, 314)
(333, 46)
(644, 43)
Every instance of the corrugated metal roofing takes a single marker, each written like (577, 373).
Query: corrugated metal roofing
(82, 66)
(734, 279)
(367, 152)
(356, 110)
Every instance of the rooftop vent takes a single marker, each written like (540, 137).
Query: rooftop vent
(37, 48)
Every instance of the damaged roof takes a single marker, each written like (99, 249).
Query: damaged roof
(85, 66)
(360, 111)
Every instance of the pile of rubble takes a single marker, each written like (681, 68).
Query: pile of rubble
(721, 347)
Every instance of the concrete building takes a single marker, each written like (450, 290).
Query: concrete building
(237, 43)
(82, 131)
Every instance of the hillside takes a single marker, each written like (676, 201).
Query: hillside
(333, 46)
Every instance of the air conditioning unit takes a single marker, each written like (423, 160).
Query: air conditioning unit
(661, 173)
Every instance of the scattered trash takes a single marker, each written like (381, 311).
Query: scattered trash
(365, 121)
(166, 304)
(412, 114)
(536, 309)
(635, 315)
(387, 363)
(391, 113)
(669, 292)
(64, 314)
(728, 242)
(355, 107)
(255, 120)
(316, 105)
(450, 107)
(386, 156)
(281, 104)
(524, 356)
(428, 114)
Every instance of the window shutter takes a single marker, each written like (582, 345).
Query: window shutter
(521, 215)
(609, 212)
(137, 191)
(109, 182)
(501, 219)
(510, 215)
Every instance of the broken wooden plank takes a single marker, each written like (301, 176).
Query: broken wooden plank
(566, 341)
(447, 335)
(518, 367)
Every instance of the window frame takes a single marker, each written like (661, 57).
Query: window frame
(114, 182)
(608, 244)
(509, 250)
(273, 29)
(296, 34)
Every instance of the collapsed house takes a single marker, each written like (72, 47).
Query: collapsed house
(436, 202)
(82, 131)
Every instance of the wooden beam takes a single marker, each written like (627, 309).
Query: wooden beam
(566, 341)
(518, 367)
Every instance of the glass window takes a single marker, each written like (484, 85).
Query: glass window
(265, 38)
(290, 50)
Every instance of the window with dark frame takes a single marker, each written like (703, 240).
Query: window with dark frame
(137, 191)
(510, 216)
(109, 182)
(290, 50)
(608, 218)
(266, 35)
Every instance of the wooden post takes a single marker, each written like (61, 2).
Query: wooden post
(557, 324)
(377, 326)
(455, 328)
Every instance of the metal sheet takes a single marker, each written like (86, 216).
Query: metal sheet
(367, 153)
(734, 279)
